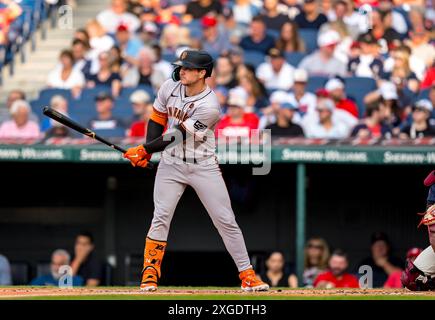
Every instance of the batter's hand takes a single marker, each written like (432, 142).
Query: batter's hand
(138, 156)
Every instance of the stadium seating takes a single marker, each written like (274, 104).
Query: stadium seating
(294, 58)
(315, 83)
(310, 38)
(253, 58)
(20, 273)
(357, 88)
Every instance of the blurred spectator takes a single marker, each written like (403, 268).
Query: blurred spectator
(130, 46)
(174, 36)
(105, 119)
(398, 69)
(272, 18)
(65, 76)
(278, 99)
(276, 274)
(105, 77)
(420, 126)
(146, 73)
(316, 257)
(429, 78)
(337, 275)
(258, 39)
(394, 279)
(303, 100)
(289, 40)
(200, 8)
(9, 11)
(420, 46)
(275, 73)
(366, 64)
(85, 263)
(244, 11)
(99, 41)
(159, 64)
(149, 34)
(82, 62)
(59, 258)
(372, 125)
(112, 17)
(224, 73)
(5, 272)
(381, 261)
(257, 96)
(236, 56)
(324, 125)
(14, 95)
(322, 62)
(116, 61)
(237, 123)
(290, 8)
(142, 108)
(20, 126)
(284, 126)
(214, 41)
(310, 17)
(336, 90)
(58, 103)
(381, 29)
(82, 35)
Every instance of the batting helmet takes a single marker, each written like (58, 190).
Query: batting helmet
(194, 59)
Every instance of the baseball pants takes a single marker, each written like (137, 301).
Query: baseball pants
(426, 260)
(206, 179)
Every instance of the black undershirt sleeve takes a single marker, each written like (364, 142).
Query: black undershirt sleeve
(155, 138)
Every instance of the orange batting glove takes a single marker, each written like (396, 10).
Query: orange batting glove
(138, 156)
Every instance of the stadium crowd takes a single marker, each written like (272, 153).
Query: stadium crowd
(322, 269)
(315, 69)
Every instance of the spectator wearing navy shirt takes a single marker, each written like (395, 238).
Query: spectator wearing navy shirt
(257, 40)
(272, 17)
(420, 126)
(310, 18)
(366, 64)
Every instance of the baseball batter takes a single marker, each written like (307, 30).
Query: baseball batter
(420, 275)
(189, 110)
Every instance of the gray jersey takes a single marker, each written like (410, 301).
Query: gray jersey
(198, 115)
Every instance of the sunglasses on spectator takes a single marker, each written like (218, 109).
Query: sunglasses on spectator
(322, 109)
(419, 109)
(315, 246)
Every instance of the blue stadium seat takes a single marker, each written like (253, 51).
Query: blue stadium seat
(310, 38)
(424, 94)
(170, 57)
(294, 58)
(47, 94)
(195, 28)
(254, 58)
(273, 33)
(111, 133)
(91, 94)
(357, 88)
(315, 83)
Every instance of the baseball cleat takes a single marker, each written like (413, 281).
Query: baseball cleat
(149, 280)
(251, 283)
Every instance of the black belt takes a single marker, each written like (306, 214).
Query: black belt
(190, 160)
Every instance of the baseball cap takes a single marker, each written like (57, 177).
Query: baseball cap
(300, 75)
(122, 27)
(326, 104)
(388, 91)
(379, 236)
(208, 21)
(367, 38)
(413, 253)
(275, 53)
(150, 27)
(328, 38)
(333, 84)
(140, 96)
(279, 97)
(237, 97)
(288, 105)
(424, 104)
(103, 96)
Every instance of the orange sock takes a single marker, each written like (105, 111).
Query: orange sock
(153, 254)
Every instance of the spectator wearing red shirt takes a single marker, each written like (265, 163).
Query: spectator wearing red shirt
(237, 122)
(394, 280)
(335, 89)
(142, 108)
(337, 275)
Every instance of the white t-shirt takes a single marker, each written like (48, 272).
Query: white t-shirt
(313, 129)
(110, 20)
(342, 120)
(282, 80)
(307, 104)
(75, 79)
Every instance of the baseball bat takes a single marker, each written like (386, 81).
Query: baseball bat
(63, 119)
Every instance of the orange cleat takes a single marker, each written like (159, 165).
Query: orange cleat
(149, 279)
(153, 257)
(250, 282)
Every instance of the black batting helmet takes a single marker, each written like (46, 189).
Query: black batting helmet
(194, 59)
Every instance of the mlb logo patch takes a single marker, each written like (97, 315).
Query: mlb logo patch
(199, 126)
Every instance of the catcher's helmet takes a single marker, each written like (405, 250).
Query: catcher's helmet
(194, 59)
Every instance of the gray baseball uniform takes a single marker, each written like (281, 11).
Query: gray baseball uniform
(193, 163)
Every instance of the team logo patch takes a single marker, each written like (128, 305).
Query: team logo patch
(183, 55)
(199, 126)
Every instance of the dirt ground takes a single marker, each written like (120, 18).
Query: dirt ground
(24, 292)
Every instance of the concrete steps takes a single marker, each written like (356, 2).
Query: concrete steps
(31, 76)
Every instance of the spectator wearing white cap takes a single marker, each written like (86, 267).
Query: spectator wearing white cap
(420, 126)
(322, 62)
(324, 126)
(237, 123)
(335, 88)
(284, 126)
(277, 101)
(20, 126)
(303, 100)
(276, 73)
(112, 17)
(142, 109)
